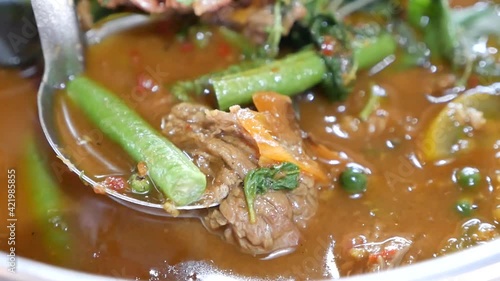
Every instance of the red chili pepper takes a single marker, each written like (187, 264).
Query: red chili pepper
(385, 254)
(473, 81)
(224, 50)
(187, 47)
(115, 183)
(328, 46)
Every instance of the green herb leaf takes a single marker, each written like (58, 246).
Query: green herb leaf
(476, 26)
(284, 176)
(334, 42)
(344, 49)
(434, 19)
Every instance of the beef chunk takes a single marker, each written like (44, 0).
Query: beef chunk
(279, 217)
(225, 152)
(217, 145)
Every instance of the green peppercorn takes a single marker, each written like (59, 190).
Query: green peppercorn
(468, 177)
(465, 207)
(353, 180)
(140, 185)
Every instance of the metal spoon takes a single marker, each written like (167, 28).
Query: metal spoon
(63, 46)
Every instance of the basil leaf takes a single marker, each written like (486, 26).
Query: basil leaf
(284, 176)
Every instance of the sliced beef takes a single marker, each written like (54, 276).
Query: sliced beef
(225, 152)
(217, 145)
(279, 217)
(304, 201)
(273, 228)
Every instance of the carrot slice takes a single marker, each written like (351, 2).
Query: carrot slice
(271, 102)
(263, 126)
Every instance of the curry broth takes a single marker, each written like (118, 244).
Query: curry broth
(402, 198)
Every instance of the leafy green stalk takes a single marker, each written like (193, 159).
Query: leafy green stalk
(341, 51)
(184, 90)
(368, 51)
(271, 48)
(477, 25)
(415, 53)
(344, 49)
(459, 36)
(376, 92)
(363, 51)
(239, 41)
(288, 76)
(334, 44)
(284, 176)
(303, 70)
(434, 19)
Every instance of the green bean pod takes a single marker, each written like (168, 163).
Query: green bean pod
(47, 203)
(169, 168)
(290, 75)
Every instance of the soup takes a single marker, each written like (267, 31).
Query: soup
(410, 209)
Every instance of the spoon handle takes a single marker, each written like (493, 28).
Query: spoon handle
(61, 39)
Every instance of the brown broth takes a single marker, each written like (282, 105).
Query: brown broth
(106, 238)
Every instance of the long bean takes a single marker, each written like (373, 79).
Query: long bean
(294, 73)
(169, 168)
(239, 41)
(46, 203)
(375, 49)
(290, 75)
(185, 90)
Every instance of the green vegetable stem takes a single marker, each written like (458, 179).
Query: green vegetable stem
(297, 72)
(46, 202)
(458, 35)
(290, 75)
(185, 90)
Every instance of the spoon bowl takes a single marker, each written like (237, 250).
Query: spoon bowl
(63, 50)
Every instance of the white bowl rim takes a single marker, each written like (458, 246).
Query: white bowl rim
(481, 262)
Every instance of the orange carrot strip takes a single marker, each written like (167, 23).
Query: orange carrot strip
(258, 126)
